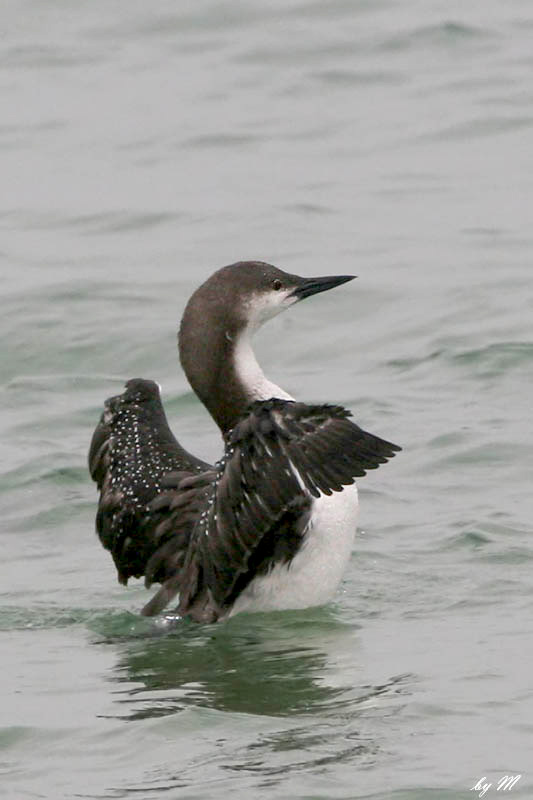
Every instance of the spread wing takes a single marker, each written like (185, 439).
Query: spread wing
(131, 452)
(252, 510)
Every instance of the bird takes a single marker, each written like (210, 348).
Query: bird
(271, 525)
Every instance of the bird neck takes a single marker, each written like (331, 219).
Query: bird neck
(222, 369)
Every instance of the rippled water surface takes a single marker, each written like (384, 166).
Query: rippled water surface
(142, 145)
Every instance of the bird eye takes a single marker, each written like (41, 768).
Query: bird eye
(277, 284)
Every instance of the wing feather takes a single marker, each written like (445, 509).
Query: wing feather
(205, 531)
(131, 452)
(275, 458)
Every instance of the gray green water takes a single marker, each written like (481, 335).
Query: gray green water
(144, 145)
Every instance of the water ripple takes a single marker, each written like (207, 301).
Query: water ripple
(444, 34)
(92, 224)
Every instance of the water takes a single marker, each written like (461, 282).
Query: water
(141, 147)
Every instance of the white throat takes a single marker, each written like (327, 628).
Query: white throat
(252, 377)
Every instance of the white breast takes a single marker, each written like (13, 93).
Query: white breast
(314, 574)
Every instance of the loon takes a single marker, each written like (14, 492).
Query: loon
(269, 526)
